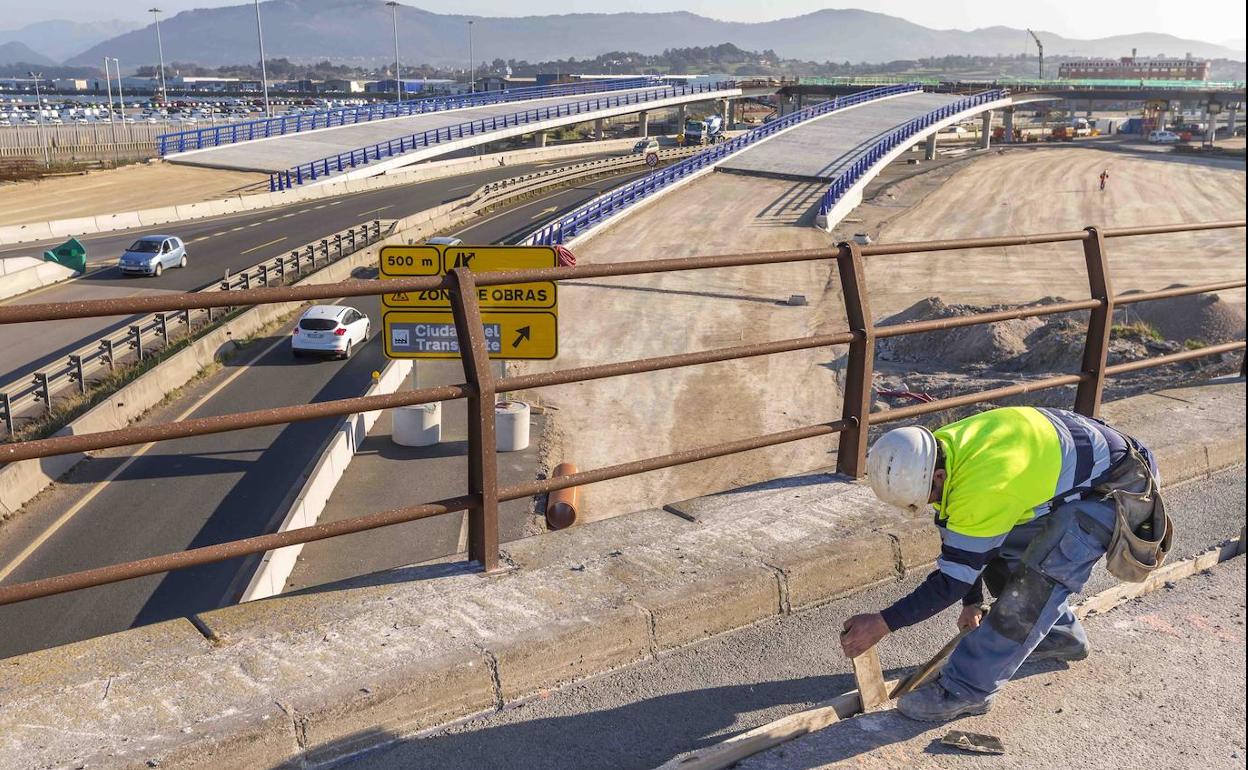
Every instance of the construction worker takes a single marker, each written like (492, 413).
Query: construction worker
(1027, 501)
(1104, 178)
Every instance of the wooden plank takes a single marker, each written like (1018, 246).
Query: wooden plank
(924, 672)
(761, 738)
(738, 747)
(870, 680)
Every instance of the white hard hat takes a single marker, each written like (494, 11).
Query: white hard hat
(900, 466)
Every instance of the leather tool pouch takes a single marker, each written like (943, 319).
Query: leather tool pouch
(1142, 529)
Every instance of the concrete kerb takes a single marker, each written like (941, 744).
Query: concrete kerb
(22, 481)
(853, 197)
(360, 662)
(318, 485)
(35, 277)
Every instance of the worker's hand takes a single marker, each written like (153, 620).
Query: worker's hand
(970, 617)
(862, 632)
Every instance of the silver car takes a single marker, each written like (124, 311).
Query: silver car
(329, 329)
(151, 254)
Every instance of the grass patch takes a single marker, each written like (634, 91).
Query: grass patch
(1137, 329)
(1194, 344)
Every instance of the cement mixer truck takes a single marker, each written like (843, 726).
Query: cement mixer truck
(706, 131)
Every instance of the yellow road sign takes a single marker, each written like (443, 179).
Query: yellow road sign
(509, 334)
(404, 261)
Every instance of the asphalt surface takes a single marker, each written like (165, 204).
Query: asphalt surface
(644, 715)
(198, 491)
(213, 246)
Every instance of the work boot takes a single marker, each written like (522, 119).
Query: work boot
(933, 703)
(1059, 647)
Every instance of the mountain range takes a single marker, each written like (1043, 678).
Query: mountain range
(57, 40)
(359, 32)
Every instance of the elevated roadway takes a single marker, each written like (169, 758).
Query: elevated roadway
(436, 133)
(135, 501)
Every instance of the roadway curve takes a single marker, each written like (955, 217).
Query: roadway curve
(215, 245)
(113, 508)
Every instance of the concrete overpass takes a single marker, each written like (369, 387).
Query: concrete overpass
(375, 147)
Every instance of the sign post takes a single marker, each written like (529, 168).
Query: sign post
(521, 320)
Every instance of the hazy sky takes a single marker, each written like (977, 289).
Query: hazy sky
(1211, 20)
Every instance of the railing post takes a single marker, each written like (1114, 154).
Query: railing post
(1100, 321)
(482, 451)
(76, 374)
(851, 456)
(6, 405)
(108, 356)
(136, 340)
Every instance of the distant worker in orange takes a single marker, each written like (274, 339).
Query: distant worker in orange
(1104, 178)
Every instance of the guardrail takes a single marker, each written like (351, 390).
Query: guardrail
(140, 336)
(345, 161)
(246, 131)
(608, 205)
(483, 492)
(902, 134)
(1054, 83)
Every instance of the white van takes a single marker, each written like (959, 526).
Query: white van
(1163, 137)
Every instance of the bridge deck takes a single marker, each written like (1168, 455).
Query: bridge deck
(282, 152)
(817, 150)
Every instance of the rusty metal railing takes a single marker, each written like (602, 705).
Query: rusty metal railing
(483, 493)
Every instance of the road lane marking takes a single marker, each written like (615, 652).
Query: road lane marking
(261, 246)
(99, 486)
(544, 212)
(373, 211)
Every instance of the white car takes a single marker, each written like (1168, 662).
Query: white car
(1163, 137)
(329, 330)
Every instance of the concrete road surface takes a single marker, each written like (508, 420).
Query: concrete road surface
(641, 716)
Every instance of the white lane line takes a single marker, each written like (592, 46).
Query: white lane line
(100, 485)
(261, 246)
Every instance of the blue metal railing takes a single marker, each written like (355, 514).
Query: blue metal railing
(627, 195)
(345, 161)
(201, 138)
(898, 136)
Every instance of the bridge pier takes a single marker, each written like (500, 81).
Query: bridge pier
(643, 124)
(985, 131)
(1008, 133)
(725, 111)
(682, 114)
(929, 152)
(600, 126)
(539, 138)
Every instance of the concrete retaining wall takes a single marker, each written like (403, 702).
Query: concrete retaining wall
(100, 223)
(19, 275)
(308, 676)
(319, 484)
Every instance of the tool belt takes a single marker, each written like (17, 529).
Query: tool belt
(1142, 529)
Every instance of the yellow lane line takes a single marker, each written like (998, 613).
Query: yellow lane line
(261, 246)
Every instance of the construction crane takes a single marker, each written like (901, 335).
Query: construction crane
(1040, 48)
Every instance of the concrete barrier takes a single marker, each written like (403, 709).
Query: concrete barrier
(307, 677)
(107, 222)
(33, 273)
(75, 226)
(35, 231)
(319, 483)
(159, 216)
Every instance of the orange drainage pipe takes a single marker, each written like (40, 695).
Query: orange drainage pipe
(561, 503)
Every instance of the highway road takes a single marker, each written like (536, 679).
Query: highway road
(134, 502)
(641, 716)
(214, 246)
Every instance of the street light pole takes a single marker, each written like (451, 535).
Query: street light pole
(160, 50)
(472, 68)
(108, 82)
(398, 79)
(43, 132)
(264, 76)
(121, 100)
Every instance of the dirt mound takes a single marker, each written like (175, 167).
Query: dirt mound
(1201, 317)
(980, 344)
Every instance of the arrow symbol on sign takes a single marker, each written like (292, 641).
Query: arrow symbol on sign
(522, 334)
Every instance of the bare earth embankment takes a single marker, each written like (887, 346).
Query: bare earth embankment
(1017, 191)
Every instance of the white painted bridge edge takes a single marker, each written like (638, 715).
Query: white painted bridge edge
(597, 227)
(853, 196)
